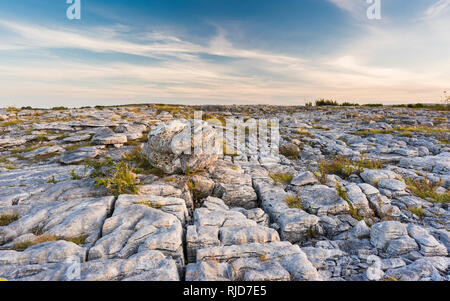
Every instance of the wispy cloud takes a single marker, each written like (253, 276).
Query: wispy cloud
(180, 72)
(357, 8)
(437, 9)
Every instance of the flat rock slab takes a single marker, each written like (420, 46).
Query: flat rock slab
(272, 261)
(134, 228)
(216, 225)
(144, 266)
(64, 219)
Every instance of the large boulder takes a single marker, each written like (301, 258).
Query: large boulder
(182, 146)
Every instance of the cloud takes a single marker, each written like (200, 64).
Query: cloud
(437, 9)
(179, 71)
(357, 8)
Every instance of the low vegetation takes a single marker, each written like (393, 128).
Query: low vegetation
(326, 102)
(417, 211)
(140, 164)
(404, 131)
(282, 178)
(22, 246)
(149, 204)
(293, 202)
(6, 219)
(427, 190)
(344, 167)
(118, 178)
(290, 151)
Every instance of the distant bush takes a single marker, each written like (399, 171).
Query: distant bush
(434, 107)
(59, 108)
(373, 105)
(349, 104)
(326, 102)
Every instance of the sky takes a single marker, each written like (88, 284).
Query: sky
(223, 52)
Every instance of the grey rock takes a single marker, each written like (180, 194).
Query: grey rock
(382, 233)
(304, 178)
(235, 195)
(402, 245)
(429, 246)
(173, 148)
(322, 200)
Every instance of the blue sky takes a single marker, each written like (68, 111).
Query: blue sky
(222, 52)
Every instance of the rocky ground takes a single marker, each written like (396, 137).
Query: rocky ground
(357, 193)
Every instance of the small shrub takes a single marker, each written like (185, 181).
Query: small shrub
(375, 105)
(51, 180)
(349, 104)
(141, 164)
(326, 102)
(59, 108)
(119, 179)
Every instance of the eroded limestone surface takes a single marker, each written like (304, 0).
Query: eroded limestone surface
(249, 214)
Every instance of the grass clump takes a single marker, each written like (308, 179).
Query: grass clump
(339, 166)
(51, 180)
(78, 240)
(344, 167)
(282, 178)
(172, 109)
(6, 219)
(10, 123)
(426, 190)
(140, 164)
(149, 204)
(373, 132)
(74, 175)
(293, 202)
(119, 179)
(22, 246)
(303, 132)
(10, 166)
(73, 147)
(417, 211)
